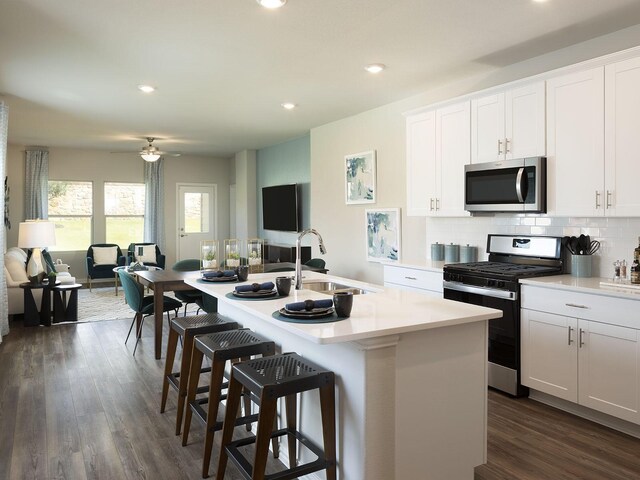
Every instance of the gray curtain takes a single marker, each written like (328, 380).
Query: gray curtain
(36, 184)
(154, 202)
(4, 304)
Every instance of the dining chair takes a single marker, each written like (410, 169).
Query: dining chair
(143, 305)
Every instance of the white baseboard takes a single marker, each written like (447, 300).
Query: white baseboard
(587, 413)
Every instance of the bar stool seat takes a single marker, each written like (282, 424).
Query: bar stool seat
(271, 378)
(220, 348)
(186, 328)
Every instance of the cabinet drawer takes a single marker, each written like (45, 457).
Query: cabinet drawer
(413, 277)
(603, 309)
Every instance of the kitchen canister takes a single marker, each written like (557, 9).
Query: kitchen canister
(451, 253)
(581, 266)
(437, 252)
(468, 254)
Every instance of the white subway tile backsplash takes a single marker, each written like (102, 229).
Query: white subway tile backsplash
(619, 236)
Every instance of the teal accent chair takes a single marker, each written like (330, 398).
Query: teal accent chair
(188, 296)
(143, 305)
(102, 271)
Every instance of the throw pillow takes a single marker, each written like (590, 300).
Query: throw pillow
(16, 270)
(148, 253)
(105, 255)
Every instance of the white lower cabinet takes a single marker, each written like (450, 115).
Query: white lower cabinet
(413, 278)
(592, 363)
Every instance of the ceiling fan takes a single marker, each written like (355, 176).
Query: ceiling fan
(150, 153)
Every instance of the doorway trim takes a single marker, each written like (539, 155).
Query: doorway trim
(214, 211)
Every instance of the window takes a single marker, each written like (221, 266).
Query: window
(124, 212)
(71, 209)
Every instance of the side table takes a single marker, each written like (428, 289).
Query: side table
(33, 318)
(64, 311)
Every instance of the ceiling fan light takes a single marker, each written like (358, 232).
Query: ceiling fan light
(150, 157)
(272, 3)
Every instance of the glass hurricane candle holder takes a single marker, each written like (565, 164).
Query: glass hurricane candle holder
(255, 247)
(209, 258)
(231, 253)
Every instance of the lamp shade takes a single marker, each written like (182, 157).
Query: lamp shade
(36, 234)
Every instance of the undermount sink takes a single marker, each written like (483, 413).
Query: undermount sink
(330, 287)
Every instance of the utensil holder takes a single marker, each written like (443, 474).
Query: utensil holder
(581, 266)
(437, 252)
(451, 253)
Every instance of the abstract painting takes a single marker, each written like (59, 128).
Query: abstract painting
(383, 235)
(360, 174)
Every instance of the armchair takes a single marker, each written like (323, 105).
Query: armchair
(132, 256)
(100, 263)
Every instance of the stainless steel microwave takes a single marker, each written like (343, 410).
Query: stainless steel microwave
(509, 186)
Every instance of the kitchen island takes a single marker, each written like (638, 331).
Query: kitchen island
(411, 376)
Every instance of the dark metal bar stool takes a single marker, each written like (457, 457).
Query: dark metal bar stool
(220, 348)
(271, 378)
(187, 328)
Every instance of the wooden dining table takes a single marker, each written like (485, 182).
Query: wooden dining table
(161, 281)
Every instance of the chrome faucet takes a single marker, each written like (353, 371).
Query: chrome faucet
(323, 250)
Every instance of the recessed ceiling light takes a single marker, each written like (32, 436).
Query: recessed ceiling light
(146, 88)
(540, 1)
(288, 105)
(375, 67)
(272, 3)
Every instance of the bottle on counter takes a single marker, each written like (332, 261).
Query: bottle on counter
(623, 270)
(636, 252)
(616, 271)
(635, 272)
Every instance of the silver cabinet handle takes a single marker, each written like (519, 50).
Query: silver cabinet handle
(575, 305)
(437, 204)
(597, 199)
(608, 199)
(569, 341)
(411, 278)
(499, 147)
(431, 204)
(581, 341)
(506, 144)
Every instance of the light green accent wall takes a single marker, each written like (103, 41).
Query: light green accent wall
(285, 163)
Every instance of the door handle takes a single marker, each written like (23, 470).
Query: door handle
(431, 204)
(581, 341)
(506, 145)
(608, 199)
(597, 199)
(183, 235)
(499, 147)
(519, 185)
(437, 204)
(569, 341)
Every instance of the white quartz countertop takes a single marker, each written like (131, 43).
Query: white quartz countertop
(384, 311)
(585, 285)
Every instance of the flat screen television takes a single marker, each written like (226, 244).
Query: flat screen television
(280, 208)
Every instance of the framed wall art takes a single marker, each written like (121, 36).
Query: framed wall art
(383, 234)
(360, 178)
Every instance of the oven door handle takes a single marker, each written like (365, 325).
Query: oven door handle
(488, 292)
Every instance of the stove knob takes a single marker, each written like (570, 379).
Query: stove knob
(491, 283)
(500, 284)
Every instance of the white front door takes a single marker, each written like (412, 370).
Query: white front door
(197, 218)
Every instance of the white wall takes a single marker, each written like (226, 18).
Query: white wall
(245, 175)
(382, 129)
(99, 167)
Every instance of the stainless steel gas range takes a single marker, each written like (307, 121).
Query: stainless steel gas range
(494, 284)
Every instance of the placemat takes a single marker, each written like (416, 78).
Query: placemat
(233, 297)
(332, 318)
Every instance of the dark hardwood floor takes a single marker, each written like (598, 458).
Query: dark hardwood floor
(74, 403)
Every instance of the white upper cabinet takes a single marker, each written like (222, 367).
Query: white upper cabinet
(575, 144)
(622, 138)
(452, 154)
(438, 148)
(508, 124)
(421, 163)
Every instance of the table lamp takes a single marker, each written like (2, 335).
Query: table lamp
(36, 234)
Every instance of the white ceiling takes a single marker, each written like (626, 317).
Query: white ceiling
(69, 68)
